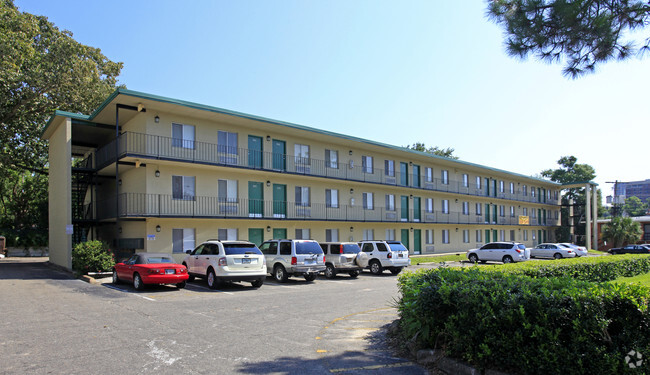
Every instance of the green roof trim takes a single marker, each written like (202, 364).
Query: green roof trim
(202, 107)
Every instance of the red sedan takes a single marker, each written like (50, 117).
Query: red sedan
(150, 268)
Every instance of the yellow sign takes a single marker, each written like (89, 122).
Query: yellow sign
(524, 220)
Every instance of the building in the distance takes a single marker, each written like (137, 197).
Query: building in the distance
(639, 189)
(149, 173)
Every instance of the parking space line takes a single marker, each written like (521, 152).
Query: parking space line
(284, 286)
(128, 291)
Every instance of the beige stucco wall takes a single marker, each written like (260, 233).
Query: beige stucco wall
(60, 193)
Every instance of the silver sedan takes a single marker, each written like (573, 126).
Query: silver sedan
(551, 250)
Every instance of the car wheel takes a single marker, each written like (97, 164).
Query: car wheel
(557, 256)
(257, 283)
(280, 274)
(137, 282)
(330, 272)
(396, 270)
(212, 279)
(310, 276)
(507, 259)
(473, 258)
(376, 268)
(116, 280)
(181, 285)
(354, 274)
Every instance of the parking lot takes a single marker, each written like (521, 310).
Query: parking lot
(53, 323)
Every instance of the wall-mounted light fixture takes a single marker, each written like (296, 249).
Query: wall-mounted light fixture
(351, 191)
(119, 230)
(411, 196)
(456, 200)
(268, 138)
(158, 228)
(156, 119)
(410, 163)
(157, 173)
(411, 229)
(351, 229)
(456, 229)
(350, 152)
(268, 183)
(268, 228)
(119, 182)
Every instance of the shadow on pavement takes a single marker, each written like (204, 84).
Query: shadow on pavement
(30, 269)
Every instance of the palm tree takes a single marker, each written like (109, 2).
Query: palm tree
(622, 230)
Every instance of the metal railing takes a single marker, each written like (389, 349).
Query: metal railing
(164, 205)
(167, 148)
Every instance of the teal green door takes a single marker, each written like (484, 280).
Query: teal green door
(494, 235)
(416, 176)
(279, 233)
(539, 218)
(417, 241)
(487, 236)
(254, 152)
(256, 235)
(494, 214)
(487, 215)
(255, 199)
(279, 200)
(403, 174)
(539, 236)
(405, 237)
(416, 209)
(279, 155)
(539, 193)
(487, 187)
(544, 234)
(404, 208)
(494, 190)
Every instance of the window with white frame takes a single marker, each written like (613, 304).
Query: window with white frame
(182, 240)
(183, 187)
(532, 192)
(368, 201)
(389, 168)
(303, 234)
(512, 235)
(301, 154)
(465, 208)
(390, 234)
(533, 213)
(501, 186)
(445, 177)
(445, 206)
(512, 188)
(331, 235)
(302, 196)
(479, 235)
(366, 164)
(478, 182)
(428, 205)
(502, 210)
(428, 174)
(465, 180)
(524, 190)
(331, 159)
(478, 209)
(556, 195)
(428, 236)
(525, 209)
(548, 194)
(331, 198)
(182, 135)
(227, 191)
(445, 236)
(502, 235)
(368, 234)
(227, 143)
(525, 235)
(227, 234)
(390, 202)
(466, 235)
(557, 215)
(512, 211)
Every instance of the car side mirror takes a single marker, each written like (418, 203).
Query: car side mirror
(188, 252)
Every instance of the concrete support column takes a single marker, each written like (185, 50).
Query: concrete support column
(572, 231)
(588, 216)
(595, 220)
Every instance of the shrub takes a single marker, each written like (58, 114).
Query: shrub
(92, 256)
(520, 324)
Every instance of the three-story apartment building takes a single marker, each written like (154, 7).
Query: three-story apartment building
(148, 173)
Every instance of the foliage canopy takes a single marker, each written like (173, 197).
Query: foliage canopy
(435, 150)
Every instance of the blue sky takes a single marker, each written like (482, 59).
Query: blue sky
(397, 72)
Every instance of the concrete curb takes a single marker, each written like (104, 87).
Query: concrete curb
(89, 279)
(436, 358)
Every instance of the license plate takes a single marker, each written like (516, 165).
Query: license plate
(170, 272)
(246, 261)
(400, 255)
(309, 261)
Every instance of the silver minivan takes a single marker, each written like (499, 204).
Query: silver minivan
(341, 257)
(286, 258)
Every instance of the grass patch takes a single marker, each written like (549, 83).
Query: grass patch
(639, 279)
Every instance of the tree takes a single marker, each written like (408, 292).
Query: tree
(43, 69)
(634, 206)
(583, 33)
(622, 230)
(23, 207)
(446, 153)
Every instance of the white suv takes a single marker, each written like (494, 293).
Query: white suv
(506, 252)
(383, 254)
(220, 261)
(286, 258)
(341, 257)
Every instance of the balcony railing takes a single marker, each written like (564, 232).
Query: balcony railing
(163, 205)
(167, 148)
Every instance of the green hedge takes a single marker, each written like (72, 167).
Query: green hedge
(530, 325)
(92, 256)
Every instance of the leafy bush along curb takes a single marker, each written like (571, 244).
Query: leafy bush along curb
(92, 256)
(520, 324)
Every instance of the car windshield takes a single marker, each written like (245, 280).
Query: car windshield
(241, 249)
(350, 248)
(159, 259)
(397, 247)
(308, 247)
(565, 245)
